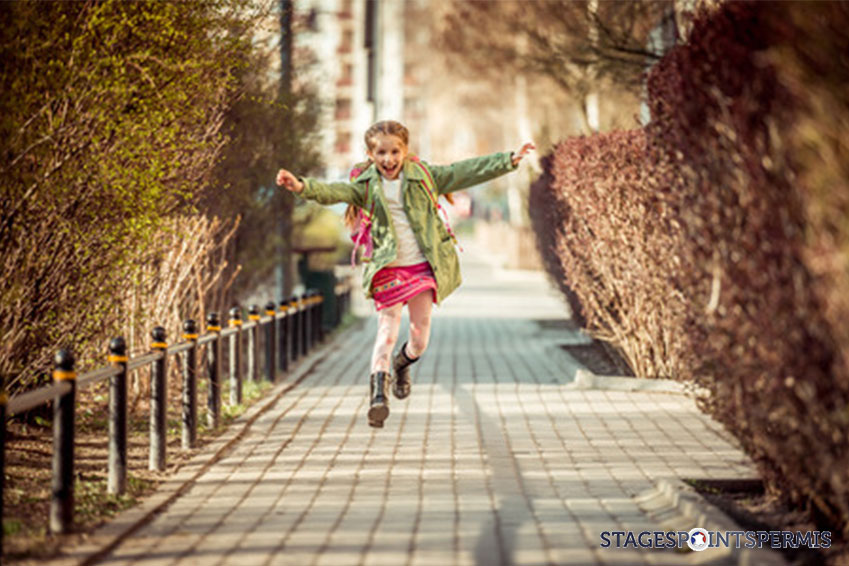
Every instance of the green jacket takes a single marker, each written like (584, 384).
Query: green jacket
(434, 240)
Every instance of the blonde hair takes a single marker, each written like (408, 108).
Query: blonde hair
(385, 128)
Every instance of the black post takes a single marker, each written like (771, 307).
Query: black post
(320, 316)
(314, 322)
(270, 342)
(116, 483)
(283, 336)
(190, 410)
(62, 500)
(253, 345)
(235, 357)
(316, 318)
(213, 364)
(306, 299)
(158, 402)
(292, 326)
(305, 325)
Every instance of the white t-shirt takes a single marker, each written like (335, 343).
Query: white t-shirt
(408, 247)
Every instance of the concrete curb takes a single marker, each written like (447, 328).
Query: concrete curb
(672, 502)
(109, 536)
(587, 380)
(678, 506)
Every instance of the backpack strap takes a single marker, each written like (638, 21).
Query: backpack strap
(365, 215)
(430, 187)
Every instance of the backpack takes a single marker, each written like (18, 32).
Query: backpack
(361, 234)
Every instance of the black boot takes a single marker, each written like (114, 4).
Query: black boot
(378, 404)
(401, 365)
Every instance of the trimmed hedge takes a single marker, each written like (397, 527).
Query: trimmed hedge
(713, 245)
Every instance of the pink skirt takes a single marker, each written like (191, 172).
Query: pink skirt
(393, 285)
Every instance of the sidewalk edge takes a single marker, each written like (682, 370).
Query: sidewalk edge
(587, 380)
(677, 502)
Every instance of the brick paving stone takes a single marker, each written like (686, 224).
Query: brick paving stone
(490, 461)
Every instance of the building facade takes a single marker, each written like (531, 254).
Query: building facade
(361, 57)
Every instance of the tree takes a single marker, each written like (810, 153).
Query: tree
(110, 125)
(266, 127)
(577, 44)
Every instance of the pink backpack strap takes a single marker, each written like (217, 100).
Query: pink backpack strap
(430, 187)
(363, 234)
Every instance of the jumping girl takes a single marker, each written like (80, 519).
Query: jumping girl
(410, 257)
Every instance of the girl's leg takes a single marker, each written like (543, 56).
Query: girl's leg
(388, 324)
(420, 307)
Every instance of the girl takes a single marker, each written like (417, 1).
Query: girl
(413, 260)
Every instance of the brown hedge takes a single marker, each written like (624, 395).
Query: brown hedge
(713, 245)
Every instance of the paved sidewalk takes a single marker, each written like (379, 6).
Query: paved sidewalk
(490, 461)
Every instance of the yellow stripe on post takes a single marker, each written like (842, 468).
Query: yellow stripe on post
(213, 329)
(235, 322)
(117, 359)
(159, 346)
(61, 375)
(270, 312)
(253, 317)
(190, 336)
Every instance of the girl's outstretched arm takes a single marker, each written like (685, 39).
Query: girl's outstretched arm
(471, 172)
(322, 193)
(288, 180)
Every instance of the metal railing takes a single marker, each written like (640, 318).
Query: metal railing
(289, 331)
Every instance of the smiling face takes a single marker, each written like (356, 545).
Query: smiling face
(388, 153)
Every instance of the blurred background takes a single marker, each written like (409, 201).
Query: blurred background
(142, 140)
(471, 78)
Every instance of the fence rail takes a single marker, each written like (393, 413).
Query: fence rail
(288, 331)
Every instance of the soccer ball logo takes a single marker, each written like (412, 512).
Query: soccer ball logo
(698, 539)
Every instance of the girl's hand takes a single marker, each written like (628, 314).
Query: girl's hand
(286, 179)
(523, 151)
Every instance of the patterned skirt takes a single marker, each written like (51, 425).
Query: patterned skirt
(393, 285)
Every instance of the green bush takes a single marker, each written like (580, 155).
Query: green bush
(110, 126)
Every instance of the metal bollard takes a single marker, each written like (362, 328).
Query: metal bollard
(190, 410)
(213, 373)
(292, 326)
(236, 357)
(283, 336)
(316, 318)
(305, 327)
(270, 342)
(158, 402)
(295, 328)
(310, 325)
(253, 344)
(320, 317)
(116, 482)
(62, 500)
